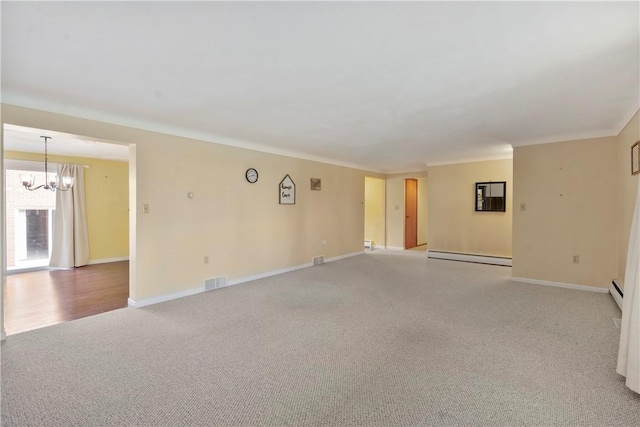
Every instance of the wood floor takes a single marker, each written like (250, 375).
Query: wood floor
(43, 298)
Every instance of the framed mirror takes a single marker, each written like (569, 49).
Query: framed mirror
(491, 196)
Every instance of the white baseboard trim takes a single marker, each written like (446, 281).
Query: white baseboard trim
(288, 269)
(107, 260)
(163, 298)
(481, 259)
(194, 291)
(560, 285)
(339, 257)
(394, 248)
(268, 274)
(615, 294)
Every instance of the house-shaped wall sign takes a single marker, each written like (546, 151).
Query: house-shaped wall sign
(287, 190)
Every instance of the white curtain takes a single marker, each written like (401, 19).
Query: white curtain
(70, 246)
(629, 351)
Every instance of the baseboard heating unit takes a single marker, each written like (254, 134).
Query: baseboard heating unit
(616, 293)
(480, 259)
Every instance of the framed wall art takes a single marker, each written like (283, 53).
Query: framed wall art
(287, 191)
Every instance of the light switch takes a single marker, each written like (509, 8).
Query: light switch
(145, 208)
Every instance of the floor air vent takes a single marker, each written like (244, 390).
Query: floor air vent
(317, 260)
(215, 283)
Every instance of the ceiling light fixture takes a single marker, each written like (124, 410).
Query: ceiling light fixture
(55, 183)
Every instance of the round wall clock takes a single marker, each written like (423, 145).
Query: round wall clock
(251, 175)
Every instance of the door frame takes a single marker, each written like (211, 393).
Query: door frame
(131, 208)
(412, 219)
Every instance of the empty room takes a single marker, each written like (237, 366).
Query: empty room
(321, 213)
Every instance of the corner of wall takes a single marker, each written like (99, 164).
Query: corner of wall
(626, 190)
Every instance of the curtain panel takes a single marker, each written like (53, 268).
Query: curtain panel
(629, 350)
(70, 246)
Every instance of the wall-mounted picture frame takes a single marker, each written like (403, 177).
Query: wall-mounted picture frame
(491, 196)
(287, 191)
(635, 158)
(316, 184)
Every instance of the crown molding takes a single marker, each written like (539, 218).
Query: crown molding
(507, 156)
(117, 119)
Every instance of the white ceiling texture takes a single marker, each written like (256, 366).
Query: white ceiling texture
(385, 86)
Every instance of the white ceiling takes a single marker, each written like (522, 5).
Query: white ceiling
(388, 86)
(18, 138)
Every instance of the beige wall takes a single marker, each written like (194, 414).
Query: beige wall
(395, 209)
(107, 201)
(374, 210)
(453, 223)
(239, 226)
(569, 189)
(627, 190)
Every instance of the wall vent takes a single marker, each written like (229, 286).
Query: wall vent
(215, 283)
(317, 260)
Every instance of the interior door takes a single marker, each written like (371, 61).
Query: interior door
(411, 213)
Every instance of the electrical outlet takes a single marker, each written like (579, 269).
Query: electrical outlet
(206, 259)
(576, 259)
(324, 242)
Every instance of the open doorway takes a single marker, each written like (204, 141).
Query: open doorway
(386, 206)
(374, 213)
(420, 213)
(35, 295)
(411, 213)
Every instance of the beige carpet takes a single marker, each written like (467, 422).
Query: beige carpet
(378, 339)
(421, 248)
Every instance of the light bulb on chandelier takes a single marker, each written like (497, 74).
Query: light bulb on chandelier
(52, 183)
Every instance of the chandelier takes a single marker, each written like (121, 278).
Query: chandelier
(55, 183)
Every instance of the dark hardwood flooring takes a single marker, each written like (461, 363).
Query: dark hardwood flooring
(42, 298)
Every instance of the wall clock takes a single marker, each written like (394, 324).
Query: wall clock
(252, 175)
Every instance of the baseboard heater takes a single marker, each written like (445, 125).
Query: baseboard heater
(479, 259)
(616, 293)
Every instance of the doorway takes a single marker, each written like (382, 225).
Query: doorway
(411, 213)
(374, 213)
(36, 299)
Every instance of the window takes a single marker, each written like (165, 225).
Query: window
(33, 236)
(29, 219)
